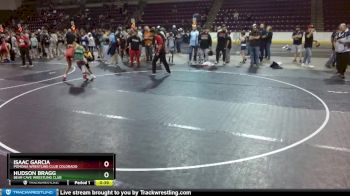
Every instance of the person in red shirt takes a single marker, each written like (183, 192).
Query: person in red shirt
(160, 53)
(23, 44)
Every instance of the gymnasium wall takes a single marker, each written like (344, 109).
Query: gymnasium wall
(285, 37)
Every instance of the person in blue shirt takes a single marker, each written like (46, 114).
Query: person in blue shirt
(194, 42)
(112, 37)
(113, 49)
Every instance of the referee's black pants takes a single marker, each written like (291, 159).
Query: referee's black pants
(162, 58)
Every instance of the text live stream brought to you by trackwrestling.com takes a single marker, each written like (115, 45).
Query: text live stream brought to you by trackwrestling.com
(104, 192)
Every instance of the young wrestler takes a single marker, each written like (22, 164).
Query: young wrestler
(81, 61)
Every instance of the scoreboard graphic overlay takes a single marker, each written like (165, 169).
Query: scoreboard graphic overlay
(61, 169)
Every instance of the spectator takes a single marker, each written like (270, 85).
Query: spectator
(297, 42)
(113, 49)
(84, 39)
(342, 41)
(193, 38)
(254, 43)
(309, 40)
(235, 15)
(122, 46)
(53, 45)
(105, 46)
(243, 40)
(45, 42)
(332, 59)
(148, 40)
(34, 46)
(205, 44)
(134, 43)
(4, 50)
(60, 44)
(228, 48)
(222, 45)
(179, 39)
(268, 42)
(23, 44)
(263, 42)
(92, 43)
(170, 43)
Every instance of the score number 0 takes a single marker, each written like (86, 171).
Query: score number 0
(106, 164)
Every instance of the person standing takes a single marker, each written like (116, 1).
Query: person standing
(179, 40)
(309, 40)
(297, 44)
(243, 39)
(228, 48)
(46, 44)
(148, 40)
(205, 44)
(60, 44)
(222, 45)
(70, 39)
(23, 44)
(53, 45)
(170, 45)
(194, 39)
(92, 43)
(34, 46)
(175, 32)
(105, 47)
(160, 53)
(122, 46)
(268, 42)
(134, 43)
(342, 48)
(254, 45)
(113, 49)
(4, 50)
(332, 59)
(263, 42)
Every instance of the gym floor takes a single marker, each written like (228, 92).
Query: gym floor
(231, 128)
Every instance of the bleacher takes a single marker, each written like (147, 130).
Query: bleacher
(282, 15)
(180, 13)
(335, 12)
